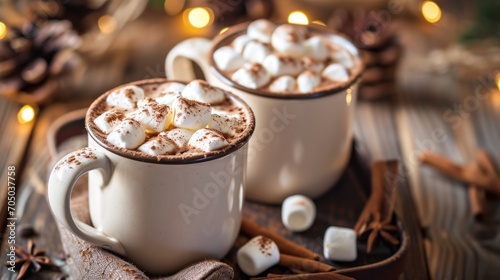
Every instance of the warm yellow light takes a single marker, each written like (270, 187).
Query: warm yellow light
(3, 30)
(431, 11)
(497, 80)
(26, 114)
(107, 24)
(298, 17)
(199, 17)
(173, 7)
(223, 30)
(319, 22)
(348, 97)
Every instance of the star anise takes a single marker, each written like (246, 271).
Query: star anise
(31, 259)
(378, 227)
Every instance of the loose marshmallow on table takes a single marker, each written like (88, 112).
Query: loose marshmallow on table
(255, 51)
(289, 39)
(152, 115)
(109, 119)
(307, 81)
(261, 30)
(251, 75)
(316, 48)
(283, 84)
(225, 124)
(240, 42)
(191, 114)
(227, 59)
(207, 140)
(340, 244)
(126, 97)
(335, 72)
(257, 255)
(312, 64)
(128, 134)
(282, 64)
(179, 136)
(158, 145)
(201, 91)
(298, 213)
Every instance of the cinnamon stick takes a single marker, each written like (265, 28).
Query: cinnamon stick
(303, 264)
(477, 200)
(285, 246)
(383, 180)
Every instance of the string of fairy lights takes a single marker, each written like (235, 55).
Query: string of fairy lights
(203, 17)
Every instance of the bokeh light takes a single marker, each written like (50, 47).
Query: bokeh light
(431, 11)
(298, 17)
(348, 97)
(107, 24)
(497, 80)
(199, 17)
(174, 7)
(3, 30)
(26, 114)
(319, 22)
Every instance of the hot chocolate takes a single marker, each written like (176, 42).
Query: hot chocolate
(285, 59)
(160, 120)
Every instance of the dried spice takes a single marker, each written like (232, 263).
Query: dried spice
(31, 259)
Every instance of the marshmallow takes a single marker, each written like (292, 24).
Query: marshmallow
(283, 83)
(207, 140)
(298, 213)
(126, 97)
(257, 255)
(224, 124)
(255, 51)
(307, 81)
(343, 58)
(312, 64)
(240, 42)
(109, 119)
(278, 65)
(340, 244)
(169, 87)
(335, 72)
(179, 136)
(316, 48)
(152, 115)
(227, 59)
(261, 30)
(158, 145)
(289, 39)
(191, 114)
(201, 91)
(128, 134)
(251, 75)
(167, 98)
(144, 101)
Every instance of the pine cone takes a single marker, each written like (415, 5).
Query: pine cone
(34, 60)
(83, 14)
(380, 50)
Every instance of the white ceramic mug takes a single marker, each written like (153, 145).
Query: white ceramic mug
(160, 215)
(302, 142)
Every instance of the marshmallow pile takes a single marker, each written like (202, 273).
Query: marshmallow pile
(284, 58)
(178, 118)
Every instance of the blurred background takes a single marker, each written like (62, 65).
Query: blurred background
(58, 49)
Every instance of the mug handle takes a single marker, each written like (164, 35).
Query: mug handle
(61, 183)
(178, 65)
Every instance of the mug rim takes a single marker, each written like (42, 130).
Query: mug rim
(233, 31)
(169, 159)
